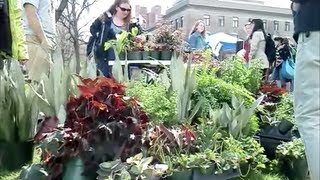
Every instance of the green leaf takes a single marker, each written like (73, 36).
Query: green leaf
(134, 31)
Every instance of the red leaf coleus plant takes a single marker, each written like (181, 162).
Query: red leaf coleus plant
(101, 125)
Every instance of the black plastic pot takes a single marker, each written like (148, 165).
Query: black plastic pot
(134, 55)
(166, 55)
(15, 155)
(145, 55)
(185, 175)
(295, 169)
(232, 173)
(270, 138)
(155, 55)
(285, 126)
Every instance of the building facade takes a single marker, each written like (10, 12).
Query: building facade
(148, 19)
(229, 16)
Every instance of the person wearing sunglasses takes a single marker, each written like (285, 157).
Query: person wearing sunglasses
(105, 28)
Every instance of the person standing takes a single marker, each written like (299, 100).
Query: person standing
(257, 41)
(197, 36)
(105, 28)
(246, 44)
(13, 44)
(40, 29)
(307, 79)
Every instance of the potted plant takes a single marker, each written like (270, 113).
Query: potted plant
(19, 112)
(169, 40)
(285, 113)
(136, 47)
(291, 160)
(101, 125)
(136, 167)
(154, 49)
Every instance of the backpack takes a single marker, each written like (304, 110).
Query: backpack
(270, 50)
(6, 38)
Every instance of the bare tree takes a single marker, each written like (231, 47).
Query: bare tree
(63, 4)
(72, 19)
(67, 49)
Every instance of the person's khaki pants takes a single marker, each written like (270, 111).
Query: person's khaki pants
(39, 59)
(307, 98)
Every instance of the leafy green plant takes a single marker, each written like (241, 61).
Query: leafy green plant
(248, 150)
(208, 135)
(120, 45)
(135, 167)
(234, 71)
(284, 110)
(236, 119)
(19, 107)
(217, 92)
(155, 100)
(291, 150)
(183, 81)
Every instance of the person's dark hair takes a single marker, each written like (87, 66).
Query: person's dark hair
(258, 25)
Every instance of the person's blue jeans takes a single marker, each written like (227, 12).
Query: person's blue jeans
(307, 98)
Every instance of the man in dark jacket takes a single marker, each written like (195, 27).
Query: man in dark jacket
(307, 84)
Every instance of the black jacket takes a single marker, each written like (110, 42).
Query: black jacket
(101, 32)
(6, 38)
(306, 16)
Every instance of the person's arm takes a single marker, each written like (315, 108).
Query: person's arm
(21, 38)
(34, 22)
(254, 45)
(95, 28)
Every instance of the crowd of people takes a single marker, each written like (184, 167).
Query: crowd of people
(33, 42)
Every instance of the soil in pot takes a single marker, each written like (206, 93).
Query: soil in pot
(15, 155)
(134, 55)
(166, 55)
(145, 55)
(155, 55)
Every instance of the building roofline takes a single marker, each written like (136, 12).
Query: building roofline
(227, 5)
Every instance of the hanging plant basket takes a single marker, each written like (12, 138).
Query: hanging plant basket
(15, 155)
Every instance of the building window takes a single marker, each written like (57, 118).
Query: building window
(206, 19)
(181, 21)
(287, 26)
(221, 21)
(177, 24)
(276, 25)
(235, 22)
(265, 24)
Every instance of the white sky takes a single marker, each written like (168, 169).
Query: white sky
(103, 5)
